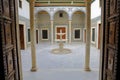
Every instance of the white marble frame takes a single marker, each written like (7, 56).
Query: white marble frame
(24, 27)
(74, 33)
(56, 32)
(47, 34)
(92, 35)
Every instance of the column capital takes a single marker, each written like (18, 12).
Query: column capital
(51, 18)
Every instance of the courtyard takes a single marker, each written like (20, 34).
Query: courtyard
(60, 66)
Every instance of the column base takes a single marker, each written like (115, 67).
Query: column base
(87, 69)
(33, 69)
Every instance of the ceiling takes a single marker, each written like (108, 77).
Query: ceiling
(60, 3)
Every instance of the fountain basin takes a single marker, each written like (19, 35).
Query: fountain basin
(61, 51)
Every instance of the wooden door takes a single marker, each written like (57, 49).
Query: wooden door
(63, 30)
(9, 69)
(111, 40)
(21, 34)
(37, 36)
(99, 36)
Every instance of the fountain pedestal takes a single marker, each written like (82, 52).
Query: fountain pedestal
(61, 49)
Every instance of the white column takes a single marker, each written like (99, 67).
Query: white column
(70, 22)
(52, 31)
(32, 35)
(88, 31)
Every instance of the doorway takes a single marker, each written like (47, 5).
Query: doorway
(21, 34)
(61, 30)
(99, 34)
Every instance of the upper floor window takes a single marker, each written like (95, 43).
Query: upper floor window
(60, 14)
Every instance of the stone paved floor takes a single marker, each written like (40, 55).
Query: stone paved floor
(60, 66)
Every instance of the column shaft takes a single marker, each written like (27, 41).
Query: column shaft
(32, 35)
(70, 31)
(88, 31)
(52, 31)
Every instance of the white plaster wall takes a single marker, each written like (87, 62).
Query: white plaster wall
(43, 18)
(24, 11)
(95, 9)
(78, 19)
(61, 20)
(43, 22)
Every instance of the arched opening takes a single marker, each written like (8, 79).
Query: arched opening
(43, 25)
(60, 23)
(78, 25)
(110, 53)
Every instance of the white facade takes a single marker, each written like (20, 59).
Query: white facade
(72, 21)
(95, 9)
(24, 11)
(73, 17)
(24, 20)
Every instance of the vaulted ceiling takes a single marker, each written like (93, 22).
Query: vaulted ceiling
(60, 3)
